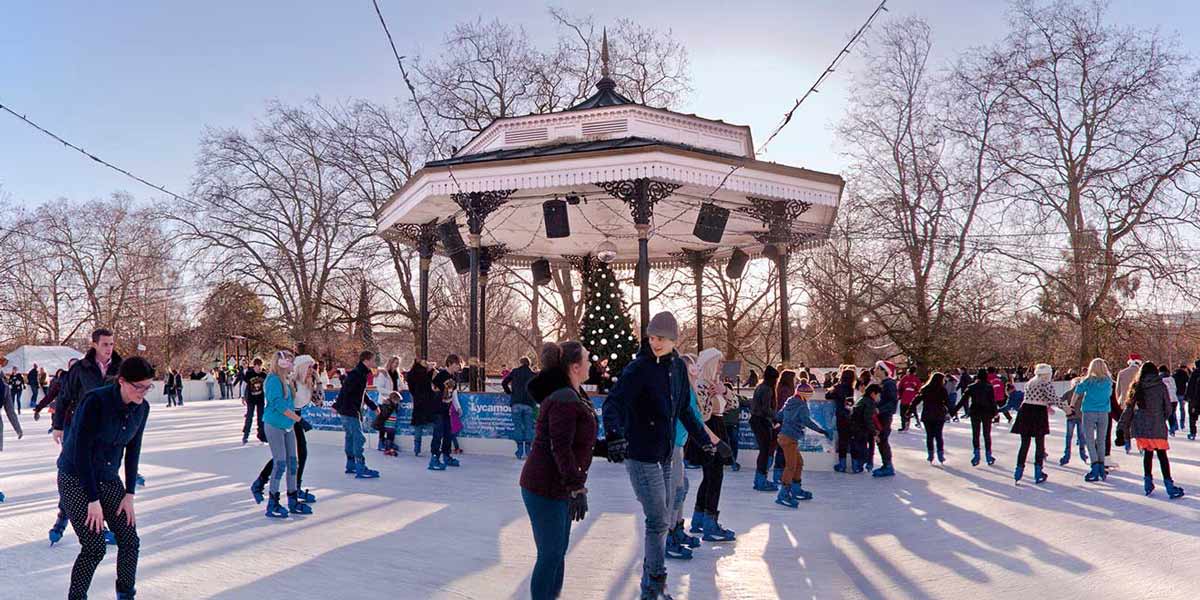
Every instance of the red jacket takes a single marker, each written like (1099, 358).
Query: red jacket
(997, 388)
(909, 386)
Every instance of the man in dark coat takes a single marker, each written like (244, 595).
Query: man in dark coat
(349, 407)
(445, 383)
(425, 405)
(981, 401)
(522, 404)
(99, 367)
(34, 385)
(254, 398)
(1193, 400)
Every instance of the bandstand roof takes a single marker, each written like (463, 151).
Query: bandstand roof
(586, 151)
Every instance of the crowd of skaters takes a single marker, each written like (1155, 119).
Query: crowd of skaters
(666, 413)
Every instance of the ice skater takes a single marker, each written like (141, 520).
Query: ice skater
(554, 476)
(253, 400)
(97, 368)
(863, 427)
(1092, 398)
(279, 420)
(794, 418)
(980, 399)
(304, 381)
(713, 399)
(1033, 421)
(106, 430)
(1145, 418)
(889, 402)
(934, 401)
(762, 417)
(349, 405)
(1074, 423)
(425, 404)
(7, 400)
(445, 390)
(842, 397)
(515, 385)
(639, 416)
(387, 383)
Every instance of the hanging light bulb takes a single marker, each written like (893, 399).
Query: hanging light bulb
(606, 251)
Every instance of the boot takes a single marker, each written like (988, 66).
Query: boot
(690, 541)
(941, 456)
(776, 476)
(362, 472)
(698, 519)
(141, 481)
(1018, 473)
(800, 493)
(350, 465)
(884, 471)
(736, 467)
(761, 484)
(295, 506)
(416, 446)
(991, 460)
(56, 531)
(1148, 485)
(435, 464)
(520, 450)
(274, 510)
(1103, 471)
(256, 490)
(125, 595)
(856, 466)
(1039, 476)
(929, 456)
(451, 461)
(1192, 436)
(713, 532)
(1173, 491)
(975, 458)
(676, 550)
(1066, 458)
(840, 467)
(784, 497)
(306, 497)
(1094, 474)
(654, 587)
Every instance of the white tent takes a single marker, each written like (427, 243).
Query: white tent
(50, 358)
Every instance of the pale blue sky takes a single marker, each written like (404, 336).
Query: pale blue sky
(137, 81)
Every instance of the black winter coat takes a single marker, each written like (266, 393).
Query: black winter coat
(515, 386)
(935, 403)
(425, 404)
(982, 399)
(83, 377)
(354, 392)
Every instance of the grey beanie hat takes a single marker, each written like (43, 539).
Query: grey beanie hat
(663, 325)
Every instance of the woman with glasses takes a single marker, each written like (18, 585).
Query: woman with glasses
(106, 428)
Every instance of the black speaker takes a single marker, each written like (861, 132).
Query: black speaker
(554, 212)
(462, 261)
(541, 272)
(451, 239)
(771, 251)
(737, 264)
(710, 224)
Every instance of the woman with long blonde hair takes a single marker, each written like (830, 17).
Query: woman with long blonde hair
(711, 400)
(279, 420)
(1092, 396)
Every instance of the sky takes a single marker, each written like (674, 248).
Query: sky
(137, 82)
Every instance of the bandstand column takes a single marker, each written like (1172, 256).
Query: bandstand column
(697, 260)
(477, 206)
(424, 237)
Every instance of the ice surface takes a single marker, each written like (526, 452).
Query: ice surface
(930, 532)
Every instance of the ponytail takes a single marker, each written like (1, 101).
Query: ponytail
(561, 356)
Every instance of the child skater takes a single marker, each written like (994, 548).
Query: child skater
(794, 418)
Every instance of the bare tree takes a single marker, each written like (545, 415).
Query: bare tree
(1102, 136)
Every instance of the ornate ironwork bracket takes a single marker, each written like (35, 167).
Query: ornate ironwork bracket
(775, 214)
(696, 259)
(423, 236)
(489, 255)
(478, 205)
(787, 241)
(640, 194)
(583, 264)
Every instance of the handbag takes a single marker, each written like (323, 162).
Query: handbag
(456, 424)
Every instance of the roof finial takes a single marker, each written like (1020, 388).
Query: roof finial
(604, 54)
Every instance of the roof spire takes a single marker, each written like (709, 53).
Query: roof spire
(604, 54)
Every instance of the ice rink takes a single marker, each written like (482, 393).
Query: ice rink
(930, 532)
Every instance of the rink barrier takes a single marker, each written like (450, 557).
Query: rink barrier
(488, 416)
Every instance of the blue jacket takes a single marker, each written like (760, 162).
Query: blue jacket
(644, 404)
(889, 400)
(279, 399)
(103, 429)
(795, 416)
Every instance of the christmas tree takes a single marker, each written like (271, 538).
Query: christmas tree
(605, 330)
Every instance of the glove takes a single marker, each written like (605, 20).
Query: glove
(1120, 438)
(577, 506)
(616, 448)
(36, 416)
(724, 451)
(304, 425)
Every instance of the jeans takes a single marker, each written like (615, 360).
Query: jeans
(680, 483)
(1182, 409)
(33, 400)
(301, 454)
(354, 438)
(440, 446)
(1094, 425)
(17, 398)
(418, 432)
(283, 456)
(885, 431)
(1171, 421)
(551, 534)
(651, 481)
(984, 425)
(1074, 429)
(522, 416)
(253, 406)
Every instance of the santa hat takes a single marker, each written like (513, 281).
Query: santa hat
(1135, 359)
(888, 367)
